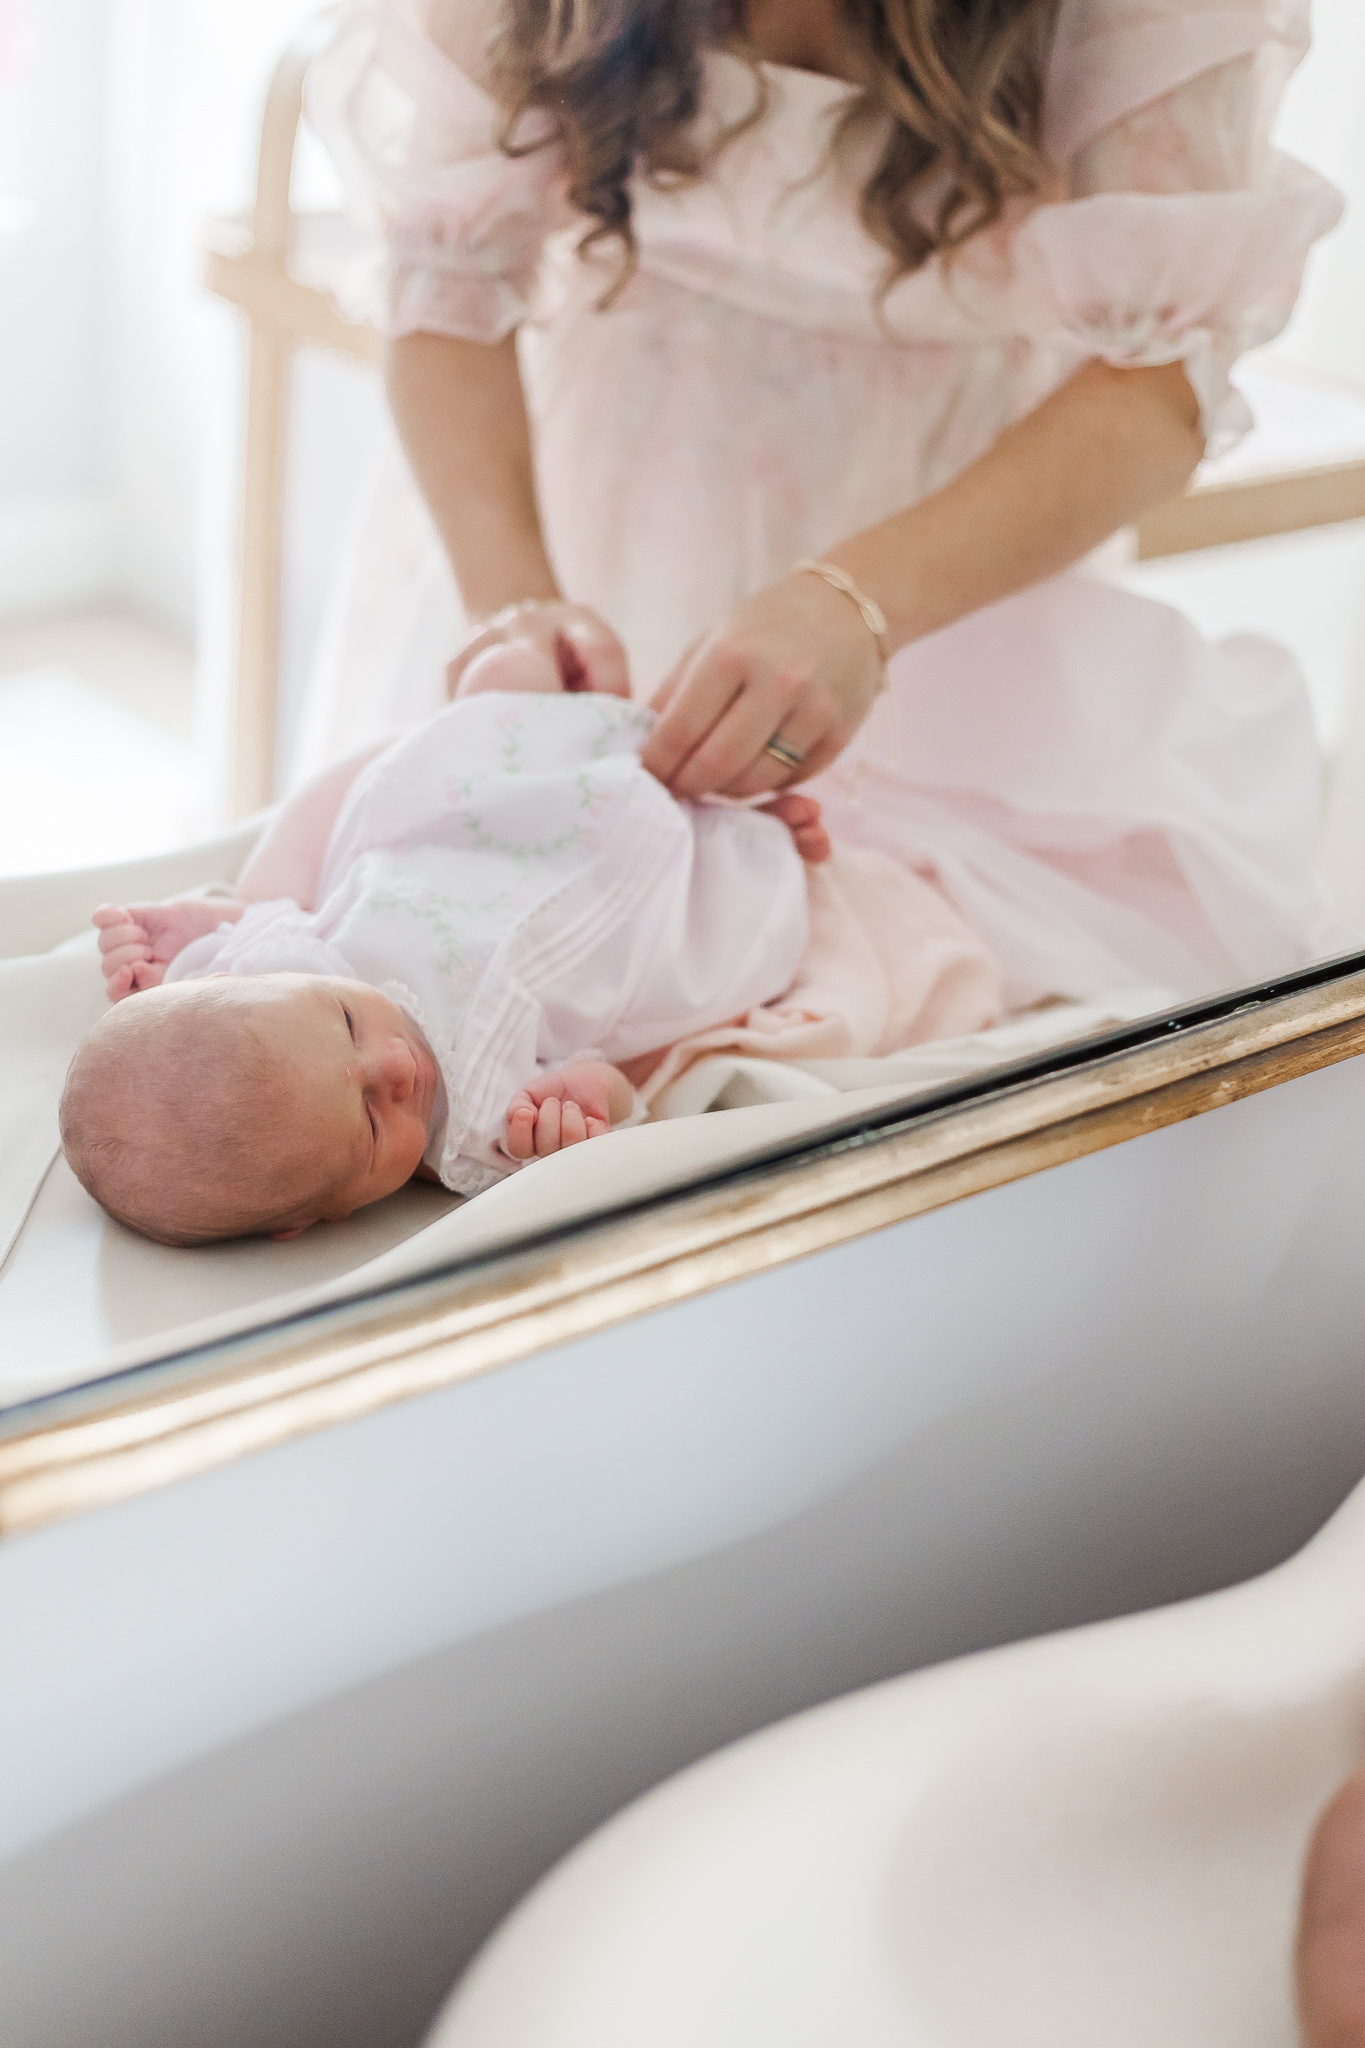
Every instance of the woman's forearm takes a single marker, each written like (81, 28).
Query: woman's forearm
(461, 416)
(1103, 449)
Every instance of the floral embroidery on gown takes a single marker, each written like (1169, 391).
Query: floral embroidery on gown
(1105, 797)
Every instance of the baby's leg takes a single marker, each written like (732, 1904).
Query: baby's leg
(1331, 1946)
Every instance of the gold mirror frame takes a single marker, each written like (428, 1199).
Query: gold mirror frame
(65, 1454)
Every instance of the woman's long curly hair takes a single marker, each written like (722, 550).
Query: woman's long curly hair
(950, 106)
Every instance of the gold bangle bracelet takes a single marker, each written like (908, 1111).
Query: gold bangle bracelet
(873, 617)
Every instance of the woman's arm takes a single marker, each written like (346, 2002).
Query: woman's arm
(798, 658)
(461, 415)
(1094, 456)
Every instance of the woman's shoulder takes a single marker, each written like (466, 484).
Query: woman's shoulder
(460, 29)
(1110, 57)
(1182, 20)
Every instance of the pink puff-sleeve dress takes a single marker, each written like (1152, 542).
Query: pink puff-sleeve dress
(1106, 798)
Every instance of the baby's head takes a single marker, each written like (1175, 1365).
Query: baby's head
(247, 1106)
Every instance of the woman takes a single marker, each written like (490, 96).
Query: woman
(933, 295)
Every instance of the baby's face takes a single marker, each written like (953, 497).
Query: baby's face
(353, 1080)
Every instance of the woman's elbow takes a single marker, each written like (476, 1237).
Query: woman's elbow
(1153, 420)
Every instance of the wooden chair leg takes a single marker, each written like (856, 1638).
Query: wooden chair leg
(261, 569)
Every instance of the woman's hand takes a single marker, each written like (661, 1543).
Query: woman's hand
(588, 654)
(795, 664)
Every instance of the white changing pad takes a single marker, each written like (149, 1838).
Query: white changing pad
(81, 1297)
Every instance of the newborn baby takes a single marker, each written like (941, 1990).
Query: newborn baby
(435, 961)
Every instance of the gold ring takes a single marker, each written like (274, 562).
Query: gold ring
(788, 756)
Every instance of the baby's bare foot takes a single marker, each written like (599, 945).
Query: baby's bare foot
(1330, 1956)
(527, 671)
(803, 818)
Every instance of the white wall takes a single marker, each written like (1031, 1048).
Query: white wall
(54, 523)
(1323, 122)
(185, 91)
(127, 122)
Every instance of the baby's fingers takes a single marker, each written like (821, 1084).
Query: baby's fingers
(112, 957)
(573, 1127)
(126, 932)
(547, 1127)
(133, 975)
(521, 1126)
(119, 984)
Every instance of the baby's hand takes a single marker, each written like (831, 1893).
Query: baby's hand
(138, 941)
(802, 817)
(562, 1109)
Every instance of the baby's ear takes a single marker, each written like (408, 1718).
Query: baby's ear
(295, 1230)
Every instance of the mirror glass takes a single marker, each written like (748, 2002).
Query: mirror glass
(216, 579)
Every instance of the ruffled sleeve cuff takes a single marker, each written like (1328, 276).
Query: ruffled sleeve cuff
(269, 938)
(1138, 279)
(418, 147)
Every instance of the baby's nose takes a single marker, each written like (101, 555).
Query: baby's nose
(397, 1069)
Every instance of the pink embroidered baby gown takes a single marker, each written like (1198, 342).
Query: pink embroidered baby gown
(516, 880)
(1104, 796)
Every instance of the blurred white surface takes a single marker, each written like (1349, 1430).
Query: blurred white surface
(97, 760)
(1096, 1838)
(1305, 590)
(84, 779)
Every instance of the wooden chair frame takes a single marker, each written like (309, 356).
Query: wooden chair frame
(249, 262)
